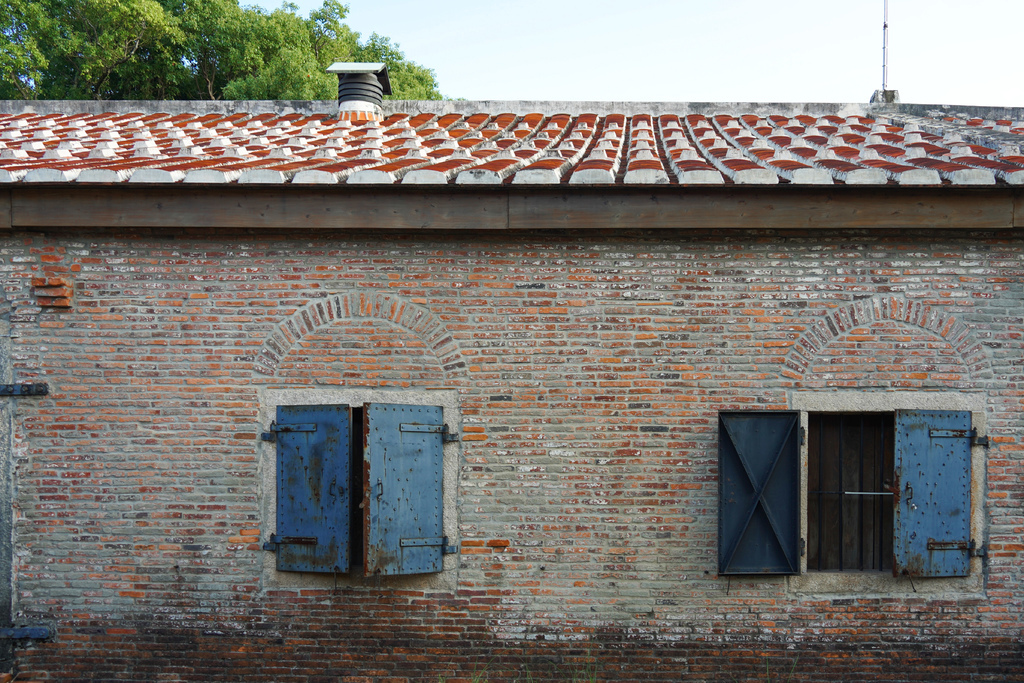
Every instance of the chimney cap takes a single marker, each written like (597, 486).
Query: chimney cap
(378, 69)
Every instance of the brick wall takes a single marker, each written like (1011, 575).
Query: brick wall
(591, 368)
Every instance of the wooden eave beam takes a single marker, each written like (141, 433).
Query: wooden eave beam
(41, 207)
(5, 209)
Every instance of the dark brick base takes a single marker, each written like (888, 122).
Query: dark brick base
(159, 651)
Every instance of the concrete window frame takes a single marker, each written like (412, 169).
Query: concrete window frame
(881, 583)
(444, 581)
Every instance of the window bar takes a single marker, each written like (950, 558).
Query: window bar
(860, 500)
(878, 508)
(842, 478)
(821, 517)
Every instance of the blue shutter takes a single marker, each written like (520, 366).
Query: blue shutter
(402, 481)
(758, 485)
(933, 493)
(313, 461)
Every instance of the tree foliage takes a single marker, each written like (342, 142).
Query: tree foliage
(187, 49)
(22, 60)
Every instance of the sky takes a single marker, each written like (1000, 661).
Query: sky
(940, 51)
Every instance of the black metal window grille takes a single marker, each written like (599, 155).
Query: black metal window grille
(849, 496)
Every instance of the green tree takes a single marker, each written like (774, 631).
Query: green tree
(288, 68)
(330, 39)
(21, 59)
(409, 81)
(218, 44)
(186, 49)
(94, 41)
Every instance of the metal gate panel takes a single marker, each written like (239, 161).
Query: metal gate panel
(313, 461)
(931, 534)
(758, 517)
(403, 472)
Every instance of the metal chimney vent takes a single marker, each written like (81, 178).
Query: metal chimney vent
(361, 90)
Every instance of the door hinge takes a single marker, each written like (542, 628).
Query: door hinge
(975, 550)
(971, 434)
(36, 389)
(276, 541)
(947, 545)
(431, 541)
(951, 433)
(275, 428)
(446, 436)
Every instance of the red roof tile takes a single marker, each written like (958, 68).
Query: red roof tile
(525, 147)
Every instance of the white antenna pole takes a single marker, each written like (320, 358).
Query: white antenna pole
(885, 48)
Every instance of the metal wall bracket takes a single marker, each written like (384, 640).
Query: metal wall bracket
(36, 389)
(26, 632)
(976, 550)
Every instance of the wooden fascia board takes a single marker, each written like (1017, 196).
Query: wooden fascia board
(509, 207)
(256, 208)
(5, 208)
(786, 207)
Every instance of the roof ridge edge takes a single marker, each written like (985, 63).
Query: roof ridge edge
(546, 107)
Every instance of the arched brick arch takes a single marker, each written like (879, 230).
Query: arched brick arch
(876, 309)
(347, 305)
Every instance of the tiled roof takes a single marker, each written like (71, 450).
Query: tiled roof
(516, 148)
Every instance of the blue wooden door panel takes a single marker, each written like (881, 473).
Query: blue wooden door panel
(402, 482)
(758, 520)
(313, 461)
(931, 534)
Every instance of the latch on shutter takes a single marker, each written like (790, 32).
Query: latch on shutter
(446, 436)
(275, 428)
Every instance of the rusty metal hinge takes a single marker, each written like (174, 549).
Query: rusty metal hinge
(446, 547)
(947, 545)
(276, 541)
(275, 428)
(971, 434)
(446, 436)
